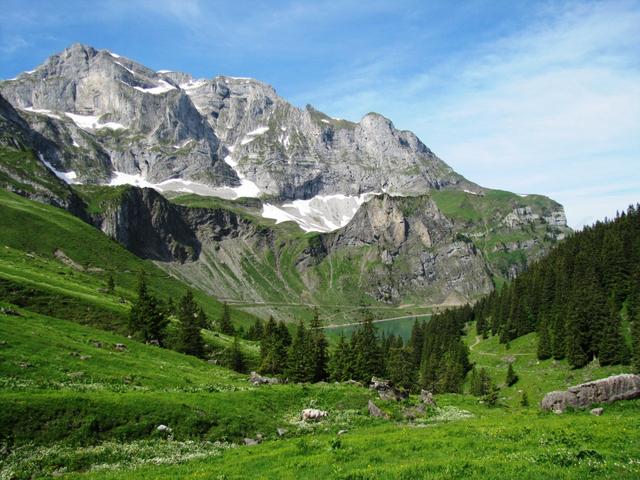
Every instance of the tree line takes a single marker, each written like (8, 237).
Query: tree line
(434, 357)
(150, 322)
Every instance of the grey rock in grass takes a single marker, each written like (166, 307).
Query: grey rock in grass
(606, 390)
(426, 397)
(597, 411)
(257, 379)
(375, 411)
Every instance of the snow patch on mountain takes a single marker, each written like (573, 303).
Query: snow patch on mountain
(91, 122)
(42, 111)
(322, 213)
(157, 90)
(253, 134)
(68, 177)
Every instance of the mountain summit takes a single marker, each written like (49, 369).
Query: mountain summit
(226, 136)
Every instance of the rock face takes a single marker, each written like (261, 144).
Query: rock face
(398, 225)
(257, 379)
(606, 390)
(416, 249)
(313, 414)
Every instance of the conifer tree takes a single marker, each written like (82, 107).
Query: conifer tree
(233, 357)
(559, 338)
(613, 349)
(255, 331)
(524, 400)
(320, 349)
(400, 367)
(225, 324)
(147, 320)
(274, 347)
(635, 339)
(301, 366)
(189, 337)
(544, 342)
(511, 378)
(416, 342)
(368, 360)
(575, 354)
(111, 284)
(341, 362)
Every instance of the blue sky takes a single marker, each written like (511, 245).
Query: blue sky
(532, 97)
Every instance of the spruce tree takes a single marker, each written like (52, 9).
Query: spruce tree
(368, 361)
(400, 367)
(575, 354)
(225, 324)
(544, 342)
(189, 336)
(524, 400)
(233, 357)
(511, 378)
(147, 319)
(341, 362)
(613, 349)
(558, 338)
(320, 349)
(111, 284)
(301, 365)
(635, 340)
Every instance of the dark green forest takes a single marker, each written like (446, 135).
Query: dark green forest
(583, 298)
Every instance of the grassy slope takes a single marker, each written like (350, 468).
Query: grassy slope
(64, 382)
(495, 443)
(31, 232)
(536, 377)
(106, 417)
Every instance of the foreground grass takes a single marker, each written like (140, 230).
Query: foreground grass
(495, 444)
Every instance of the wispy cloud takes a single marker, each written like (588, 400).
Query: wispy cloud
(555, 104)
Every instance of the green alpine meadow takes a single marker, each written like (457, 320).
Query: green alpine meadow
(207, 276)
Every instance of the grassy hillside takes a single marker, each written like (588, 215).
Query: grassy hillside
(67, 387)
(537, 377)
(65, 263)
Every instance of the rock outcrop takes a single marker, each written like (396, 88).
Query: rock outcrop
(606, 390)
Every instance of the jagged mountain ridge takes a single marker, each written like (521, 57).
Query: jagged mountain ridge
(164, 126)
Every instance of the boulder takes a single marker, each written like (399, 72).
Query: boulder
(606, 390)
(257, 379)
(164, 428)
(426, 397)
(597, 411)
(386, 390)
(558, 401)
(282, 432)
(120, 347)
(375, 411)
(251, 441)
